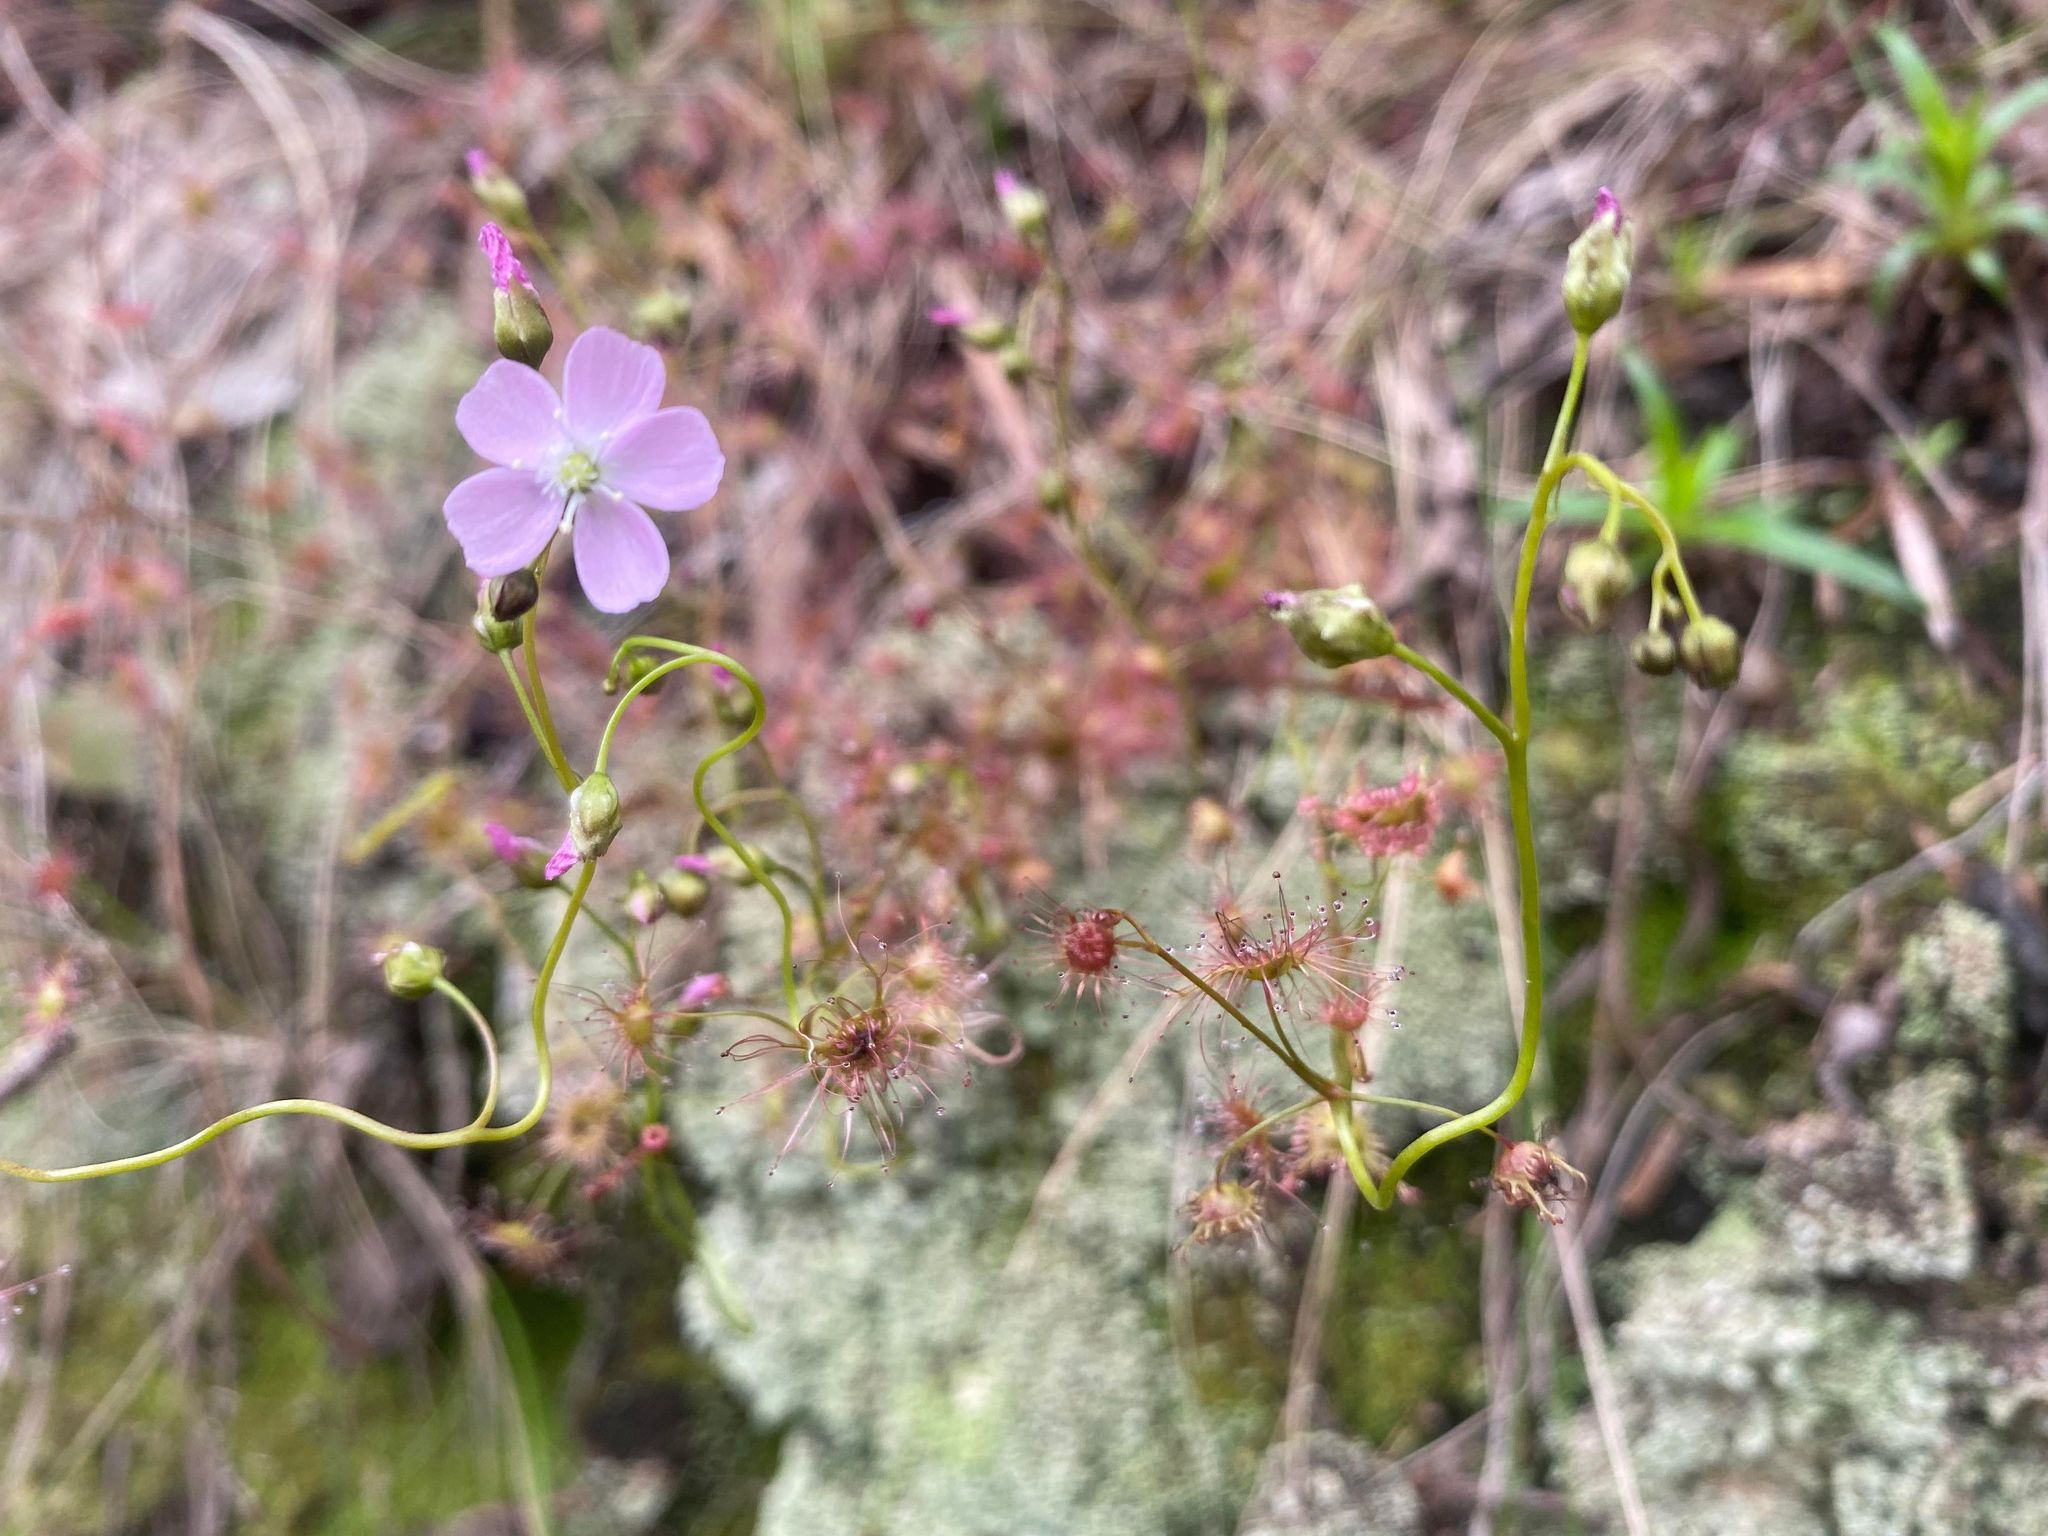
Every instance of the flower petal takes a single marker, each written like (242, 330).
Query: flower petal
(620, 557)
(608, 384)
(502, 518)
(670, 461)
(511, 415)
(563, 859)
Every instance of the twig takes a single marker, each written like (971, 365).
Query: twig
(1578, 1292)
(32, 1056)
(1824, 924)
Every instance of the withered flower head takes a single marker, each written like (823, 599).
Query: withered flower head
(1222, 1211)
(1530, 1176)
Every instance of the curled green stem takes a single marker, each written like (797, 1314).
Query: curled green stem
(478, 1128)
(697, 656)
(1619, 491)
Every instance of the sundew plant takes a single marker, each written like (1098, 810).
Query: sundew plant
(860, 1034)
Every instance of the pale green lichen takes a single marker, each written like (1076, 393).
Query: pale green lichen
(1955, 990)
(1886, 1198)
(1840, 801)
(1325, 1484)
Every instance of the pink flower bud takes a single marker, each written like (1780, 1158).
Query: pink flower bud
(700, 990)
(506, 268)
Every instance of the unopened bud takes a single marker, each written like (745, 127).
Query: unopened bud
(987, 335)
(520, 326)
(1055, 491)
(412, 968)
(1596, 577)
(664, 313)
(501, 196)
(643, 900)
(733, 704)
(494, 635)
(512, 596)
(1711, 652)
(1334, 626)
(632, 669)
(1023, 205)
(1016, 363)
(1597, 267)
(1654, 653)
(594, 815)
(685, 892)
(527, 859)
(730, 866)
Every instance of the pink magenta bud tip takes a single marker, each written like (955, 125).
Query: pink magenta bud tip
(506, 268)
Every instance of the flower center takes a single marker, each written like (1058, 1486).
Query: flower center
(577, 473)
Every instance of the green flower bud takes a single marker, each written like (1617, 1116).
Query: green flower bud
(665, 313)
(511, 596)
(632, 669)
(520, 326)
(1023, 205)
(730, 866)
(1711, 652)
(594, 815)
(1597, 267)
(685, 891)
(1055, 491)
(494, 635)
(412, 968)
(502, 197)
(1654, 653)
(1596, 577)
(1016, 363)
(987, 335)
(733, 705)
(643, 899)
(1334, 626)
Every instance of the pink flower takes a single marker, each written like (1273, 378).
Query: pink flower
(700, 990)
(1384, 820)
(694, 864)
(506, 268)
(949, 317)
(588, 460)
(1607, 206)
(478, 164)
(508, 845)
(525, 857)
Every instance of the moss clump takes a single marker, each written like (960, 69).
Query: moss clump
(1840, 802)
(1955, 991)
(1401, 1336)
